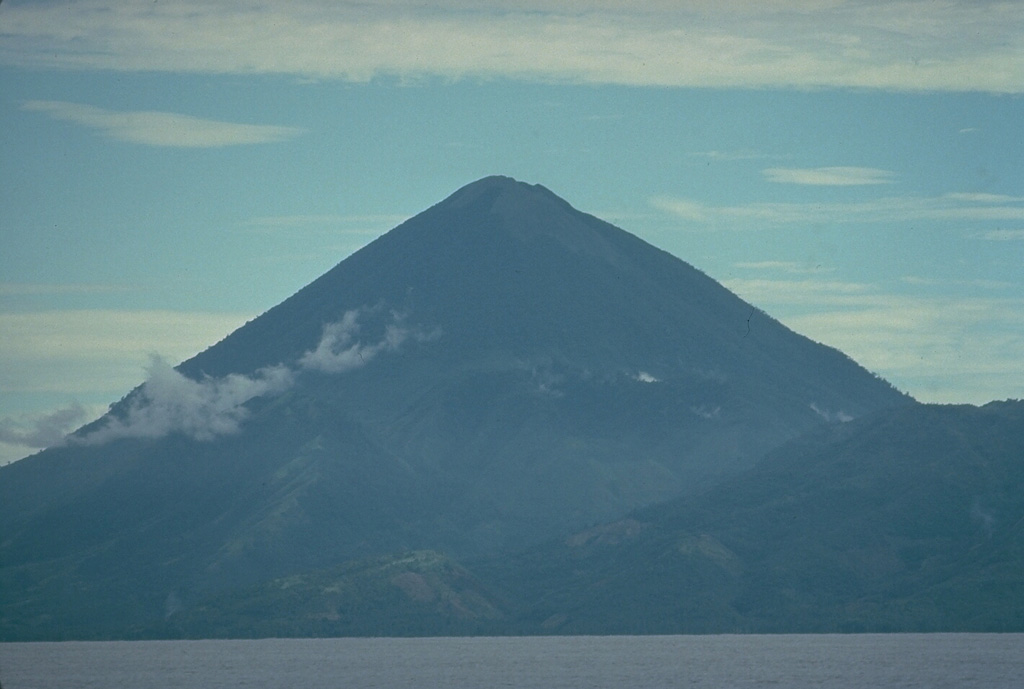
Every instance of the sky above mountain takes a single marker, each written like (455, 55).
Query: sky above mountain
(174, 169)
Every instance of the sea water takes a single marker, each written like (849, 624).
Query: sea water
(989, 661)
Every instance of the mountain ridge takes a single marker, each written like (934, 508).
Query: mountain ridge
(909, 520)
(906, 520)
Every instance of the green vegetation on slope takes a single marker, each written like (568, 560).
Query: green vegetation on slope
(908, 520)
(419, 593)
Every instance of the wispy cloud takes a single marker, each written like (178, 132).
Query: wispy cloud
(98, 350)
(169, 402)
(20, 289)
(829, 176)
(782, 266)
(42, 430)
(1002, 235)
(975, 197)
(340, 350)
(940, 348)
(728, 156)
(886, 209)
(91, 354)
(97, 354)
(162, 128)
(974, 284)
(795, 43)
(24, 433)
(803, 292)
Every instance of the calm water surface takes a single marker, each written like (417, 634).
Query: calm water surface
(791, 662)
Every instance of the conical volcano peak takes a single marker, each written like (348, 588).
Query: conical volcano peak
(532, 214)
(491, 190)
(508, 271)
(516, 203)
(486, 185)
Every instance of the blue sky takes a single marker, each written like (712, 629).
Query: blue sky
(172, 170)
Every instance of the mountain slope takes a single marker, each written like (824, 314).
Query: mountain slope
(910, 520)
(496, 371)
(421, 593)
(907, 520)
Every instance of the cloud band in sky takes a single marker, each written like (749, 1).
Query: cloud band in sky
(829, 176)
(899, 44)
(942, 349)
(162, 128)
(887, 209)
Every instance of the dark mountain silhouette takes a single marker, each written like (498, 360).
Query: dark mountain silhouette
(496, 371)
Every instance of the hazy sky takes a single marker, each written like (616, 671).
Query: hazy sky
(172, 169)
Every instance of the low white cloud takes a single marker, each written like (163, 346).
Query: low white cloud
(339, 350)
(203, 409)
(162, 128)
(829, 176)
(169, 402)
(901, 44)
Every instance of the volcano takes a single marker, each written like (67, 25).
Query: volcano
(498, 370)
